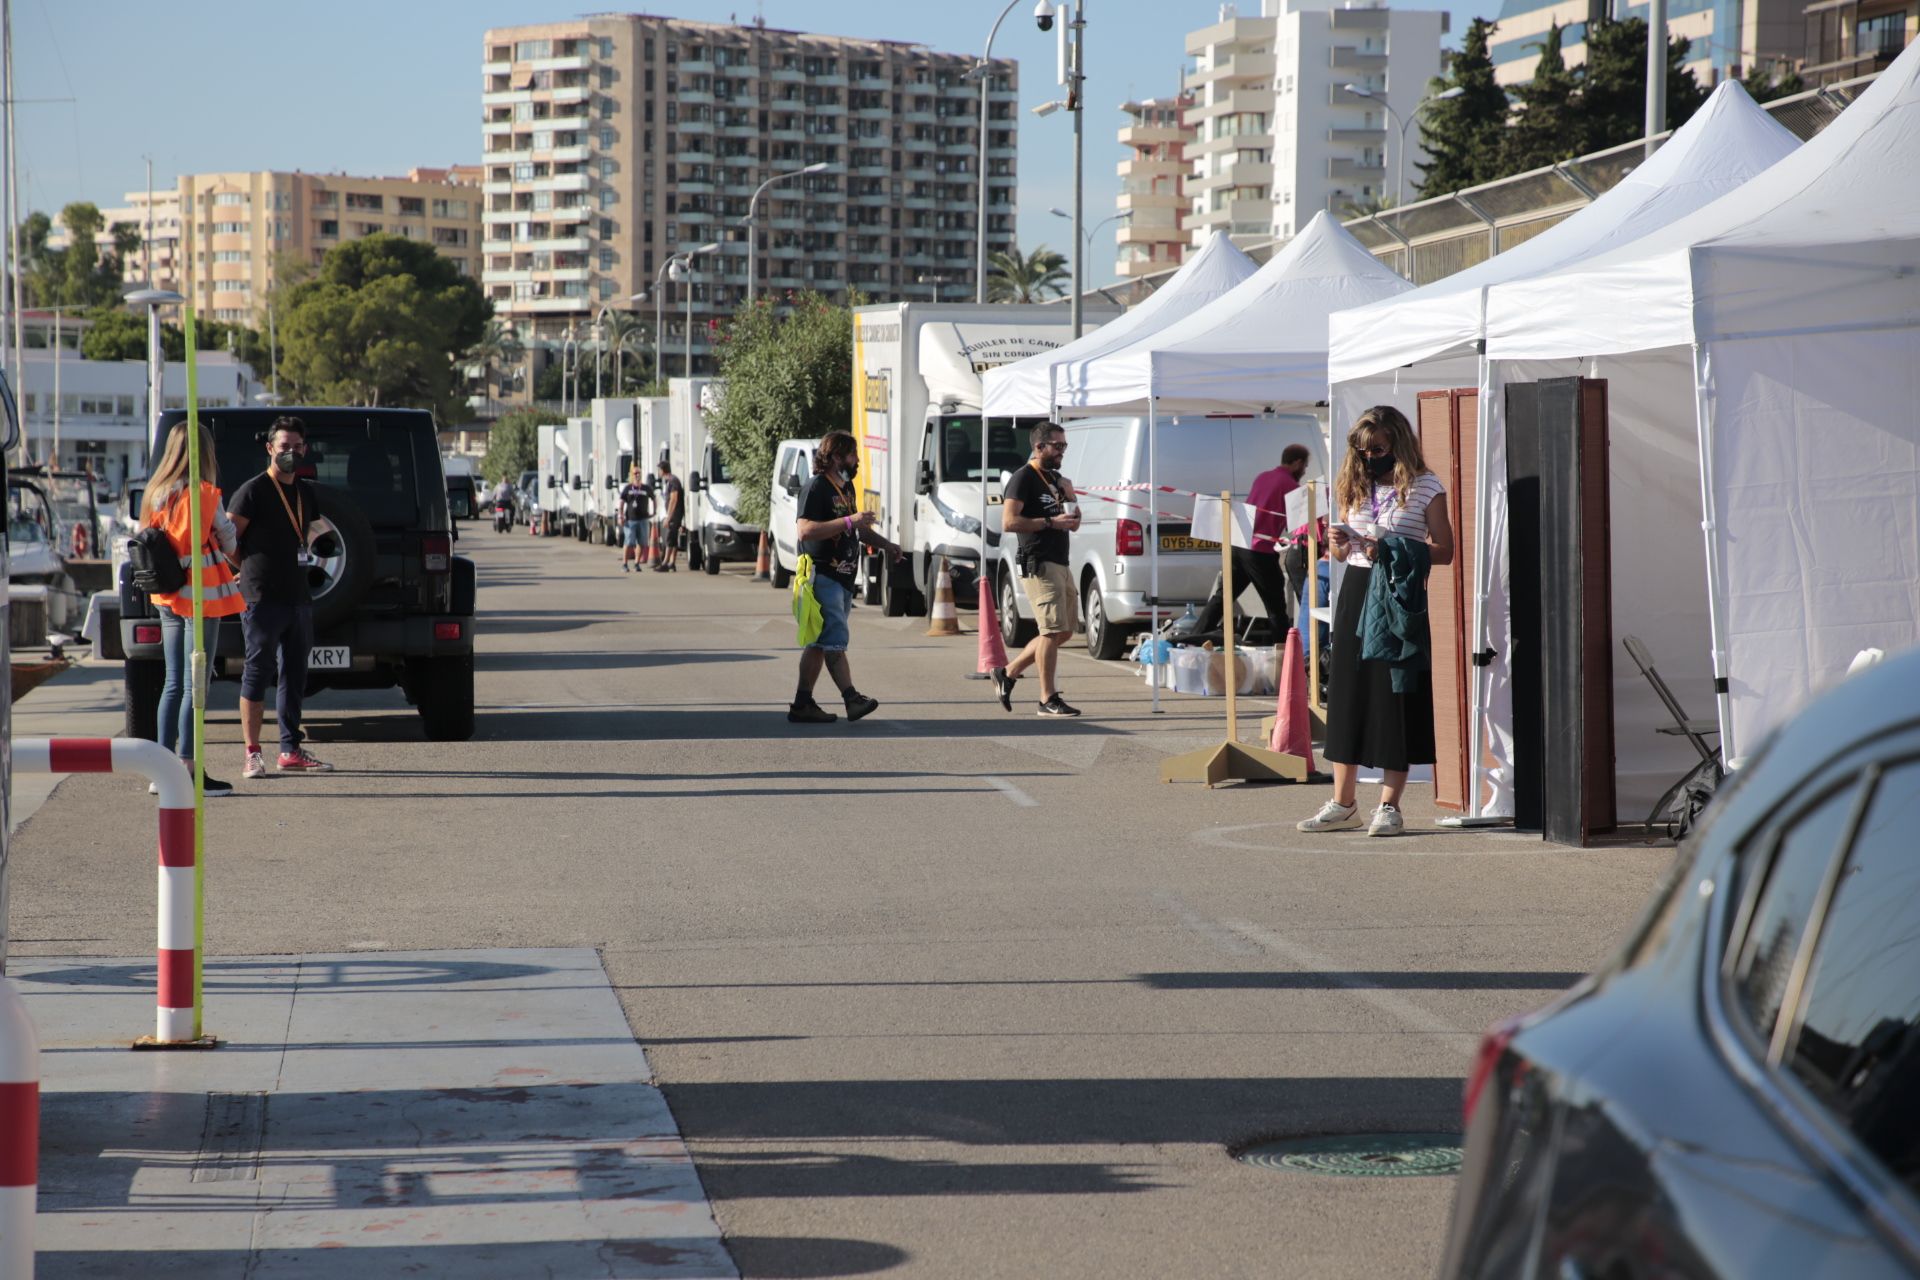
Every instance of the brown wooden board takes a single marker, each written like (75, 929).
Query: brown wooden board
(1439, 435)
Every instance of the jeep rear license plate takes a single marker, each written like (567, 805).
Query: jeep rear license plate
(329, 657)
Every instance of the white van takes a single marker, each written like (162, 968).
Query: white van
(792, 468)
(1108, 554)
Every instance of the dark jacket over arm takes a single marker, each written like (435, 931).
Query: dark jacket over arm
(1393, 626)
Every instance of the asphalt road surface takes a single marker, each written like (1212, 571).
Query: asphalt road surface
(948, 992)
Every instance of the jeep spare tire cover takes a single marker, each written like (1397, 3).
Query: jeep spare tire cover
(339, 557)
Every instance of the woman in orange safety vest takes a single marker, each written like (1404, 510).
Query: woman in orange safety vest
(204, 552)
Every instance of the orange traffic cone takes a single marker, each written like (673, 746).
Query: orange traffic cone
(942, 619)
(1292, 724)
(992, 652)
(762, 565)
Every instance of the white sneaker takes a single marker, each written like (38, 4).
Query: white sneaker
(256, 767)
(1333, 816)
(1386, 822)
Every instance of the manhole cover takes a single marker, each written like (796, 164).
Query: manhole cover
(1361, 1155)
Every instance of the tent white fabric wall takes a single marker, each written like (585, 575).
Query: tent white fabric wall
(1793, 307)
(1426, 340)
(1025, 387)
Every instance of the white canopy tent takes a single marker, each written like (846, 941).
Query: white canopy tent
(1025, 387)
(1787, 315)
(1430, 340)
(1260, 349)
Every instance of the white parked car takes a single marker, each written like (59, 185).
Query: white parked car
(1109, 551)
(792, 468)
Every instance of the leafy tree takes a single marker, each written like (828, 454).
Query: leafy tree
(497, 353)
(114, 333)
(1546, 126)
(384, 321)
(787, 372)
(1613, 85)
(551, 383)
(117, 335)
(1765, 82)
(1367, 206)
(627, 350)
(513, 445)
(1033, 278)
(1461, 136)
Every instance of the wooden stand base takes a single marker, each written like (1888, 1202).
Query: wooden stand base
(1233, 762)
(149, 1044)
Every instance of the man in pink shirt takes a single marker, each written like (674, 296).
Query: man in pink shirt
(1260, 566)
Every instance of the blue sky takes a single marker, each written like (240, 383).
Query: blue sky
(203, 85)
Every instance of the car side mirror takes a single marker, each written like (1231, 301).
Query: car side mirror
(925, 484)
(693, 481)
(579, 482)
(610, 483)
(552, 483)
(792, 485)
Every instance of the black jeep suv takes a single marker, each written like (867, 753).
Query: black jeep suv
(392, 604)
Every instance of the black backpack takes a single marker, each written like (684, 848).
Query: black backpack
(155, 564)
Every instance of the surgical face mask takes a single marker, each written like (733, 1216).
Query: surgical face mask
(1380, 468)
(286, 460)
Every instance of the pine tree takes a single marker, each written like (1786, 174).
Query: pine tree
(1461, 136)
(1545, 128)
(1613, 94)
(1767, 81)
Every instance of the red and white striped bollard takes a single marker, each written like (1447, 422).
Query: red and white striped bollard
(19, 1133)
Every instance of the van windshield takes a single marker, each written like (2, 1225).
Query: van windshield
(959, 437)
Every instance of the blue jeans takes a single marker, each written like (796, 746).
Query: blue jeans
(835, 600)
(278, 635)
(174, 719)
(634, 534)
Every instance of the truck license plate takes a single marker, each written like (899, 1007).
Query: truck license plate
(329, 657)
(1181, 542)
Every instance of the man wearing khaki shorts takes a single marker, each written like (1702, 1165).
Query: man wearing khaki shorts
(1039, 509)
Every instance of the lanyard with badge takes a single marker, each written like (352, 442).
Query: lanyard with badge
(1059, 501)
(299, 521)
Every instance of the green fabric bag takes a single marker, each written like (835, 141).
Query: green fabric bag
(806, 609)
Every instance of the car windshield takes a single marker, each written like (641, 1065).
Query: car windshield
(959, 437)
(373, 461)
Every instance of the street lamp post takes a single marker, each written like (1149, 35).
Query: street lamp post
(752, 221)
(1400, 180)
(982, 72)
(678, 266)
(1073, 68)
(1094, 230)
(686, 267)
(568, 349)
(153, 300)
(600, 336)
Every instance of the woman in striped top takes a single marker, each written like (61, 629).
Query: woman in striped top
(1383, 490)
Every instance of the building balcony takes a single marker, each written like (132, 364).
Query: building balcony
(506, 97)
(496, 246)
(496, 68)
(563, 155)
(789, 75)
(1153, 135)
(536, 306)
(694, 97)
(570, 94)
(1151, 233)
(508, 155)
(1235, 102)
(496, 188)
(1243, 66)
(563, 182)
(521, 276)
(564, 273)
(493, 128)
(1337, 96)
(1346, 58)
(1361, 136)
(572, 62)
(1343, 168)
(1360, 19)
(831, 82)
(1141, 202)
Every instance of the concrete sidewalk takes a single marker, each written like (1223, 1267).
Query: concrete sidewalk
(440, 1113)
(84, 701)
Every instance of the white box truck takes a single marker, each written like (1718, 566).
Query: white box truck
(554, 477)
(610, 434)
(579, 444)
(651, 416)
(715, 531)
(916, 416)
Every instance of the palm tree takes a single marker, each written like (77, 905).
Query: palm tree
(499, 348)
(625, 331)
(1013, 278)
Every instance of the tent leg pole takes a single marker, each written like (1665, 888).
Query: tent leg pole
(1153, 550)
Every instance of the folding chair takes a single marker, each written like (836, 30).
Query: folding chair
(1694, 731)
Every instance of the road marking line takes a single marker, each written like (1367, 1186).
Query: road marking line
(1012, 792)
(1241, 937)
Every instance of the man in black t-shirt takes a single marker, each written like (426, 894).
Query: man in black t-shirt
(831, 527)
(636, 508)
(273, 514)
(673, 513)
(1039, 508)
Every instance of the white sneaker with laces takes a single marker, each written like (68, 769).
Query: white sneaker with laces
(1386, 822)
(256, 766)
(1333, 816)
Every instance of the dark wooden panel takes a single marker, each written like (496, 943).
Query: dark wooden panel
(1523, 600)
(1439, 434)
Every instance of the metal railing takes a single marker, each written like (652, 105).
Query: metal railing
(1434, 238)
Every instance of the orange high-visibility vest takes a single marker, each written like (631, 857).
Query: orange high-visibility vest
(223, 598)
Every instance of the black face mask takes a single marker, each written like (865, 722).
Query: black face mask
(849, 469)
(1380, 468)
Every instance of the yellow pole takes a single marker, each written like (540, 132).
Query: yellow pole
(197, 674)
(1226, 592)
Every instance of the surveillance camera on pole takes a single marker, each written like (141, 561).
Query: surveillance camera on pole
(1043, 15)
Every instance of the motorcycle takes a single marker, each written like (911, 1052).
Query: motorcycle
(502, 516)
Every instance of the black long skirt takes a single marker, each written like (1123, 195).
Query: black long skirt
(1367, 722)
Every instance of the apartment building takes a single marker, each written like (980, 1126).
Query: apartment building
(1727, 35)
(1849, 38)
(237, 227)
(1153, 181)
(1346, 76)
(614, 142)
(1229, 184)
(159, 238)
